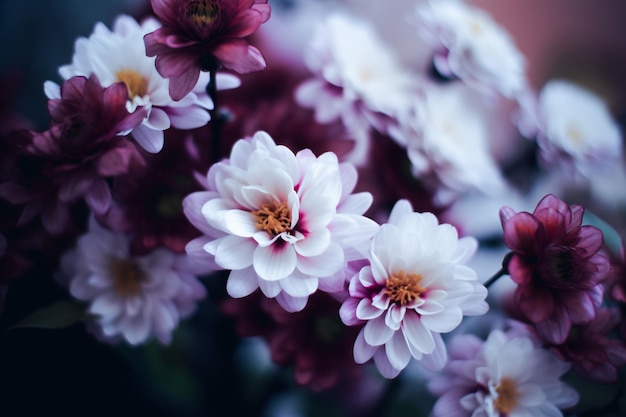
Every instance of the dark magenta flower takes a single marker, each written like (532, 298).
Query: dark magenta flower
(85, 142)
(557, 265)
(594, 354)
(202, 35)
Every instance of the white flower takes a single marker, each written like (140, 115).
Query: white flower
(356, 79)
(451, 148)
(576, 127)
(278, 221)
(120, 55)
(415, 288)
(518, 379)
(469, 45)
(132, 297)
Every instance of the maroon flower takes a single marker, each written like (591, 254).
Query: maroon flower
(85, 142)
(557, 265)
(594, 354)
(202, 35)
(314, 341)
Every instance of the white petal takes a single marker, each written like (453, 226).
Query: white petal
(417, 334)
(234, 252)
(270, 288)
(365, 310)
(315, 243)
(299, 285)
(274, 262)
(241, 282)
(398, 351)
(149, 139)
(444, 321)
(240, 222)
(362, 350)
(384, 366)
(323, 265)
(108, 306)
(290, 303)
(377, 332)
(158, 119)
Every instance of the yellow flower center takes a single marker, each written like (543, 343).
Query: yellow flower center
(507, 396)
(274, 218)
(404, 288)
(135, 82)
(202, 12)
(127, 276)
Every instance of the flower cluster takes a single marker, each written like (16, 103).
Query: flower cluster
(332, 211)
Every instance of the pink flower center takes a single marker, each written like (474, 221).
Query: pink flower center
(135, 82)
(404, 288)
(274, 218)
(507, 396)
(201, 12)
(127, 276)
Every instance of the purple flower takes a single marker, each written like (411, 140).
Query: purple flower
(557, 265)
(201, 35)
(593, 353)
(85, 142)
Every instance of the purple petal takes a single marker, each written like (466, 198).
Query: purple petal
(241, 282)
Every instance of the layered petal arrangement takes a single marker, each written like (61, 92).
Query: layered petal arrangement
(275, 219)
(556, 263)
(415, 288)
(133, 298)
(204, 35)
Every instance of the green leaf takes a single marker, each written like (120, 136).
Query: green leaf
(59, 315)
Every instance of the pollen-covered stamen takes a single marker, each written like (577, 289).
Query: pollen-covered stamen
(135, 83)
(202, 12)
(274, 218)
(508, 396)
(127, 276)
(404, 288)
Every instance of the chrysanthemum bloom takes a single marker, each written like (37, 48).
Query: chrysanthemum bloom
(509, 375)
(356, 79)
(285, 223)
(447, 143)
(100, 54)
(132, 297)
(469, 45)
(313, 341)
(594, 353)
(557, 265)
(202, 35)
(84, 146)
(576, 128)
(415, 288)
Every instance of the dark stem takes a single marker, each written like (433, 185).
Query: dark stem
(216, 122)
(495, 277)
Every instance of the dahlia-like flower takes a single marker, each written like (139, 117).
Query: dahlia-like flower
(591, 349)
(415, 287)
(470, 46)
(133, 298)
(100, 55)
(509, 375)
(557, 265)
(285, 223)
(85, 142)
(202, 35)
(576, 128)
(352, 82)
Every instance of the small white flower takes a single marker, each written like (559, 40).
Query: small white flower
(285, 223)
(356, 79)
(450, 149)
(576, 126)
(469, 45)
(518, 379)
(132, 297)
(415, 287)
(120, 55)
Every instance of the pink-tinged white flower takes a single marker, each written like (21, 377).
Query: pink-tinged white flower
(448, 143)
(469, 45)
(284, 222)
(356, 79)
(509, 375)
(204, 35)
(415, 287)
(557, 265)
(576, 127)
(119, 55)
(133, 298)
